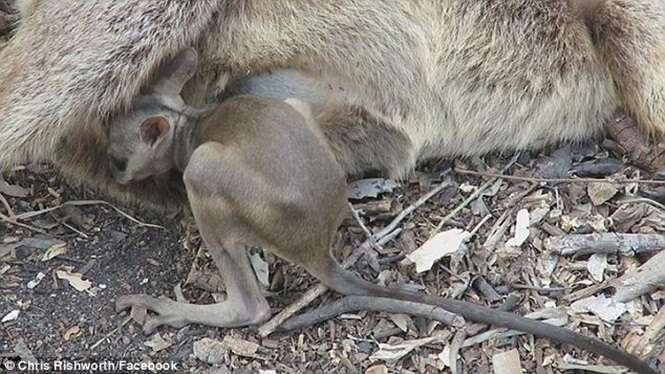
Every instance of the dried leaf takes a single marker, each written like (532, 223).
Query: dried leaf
(401, 321)
(442, 244)
(75, 280)
(11, 316)
(12, 189)
(157, 343)
(391, 353)
(597, 265)
(603, 307)
(601, 192)
(72, 332)
(521, 229)
(507, 362)
(35, 282)
(261, 269)
(637, 217)
(39, 242)
(54, 251)
(371, 187)
(6, 249)
(444, 356)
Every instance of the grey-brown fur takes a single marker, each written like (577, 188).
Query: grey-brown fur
(259, 172)
(436, 78)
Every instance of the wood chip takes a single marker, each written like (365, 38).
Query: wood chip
(240, 347)
(521, 229)
(157, 343)
(72, 332)
(442, 244)
(11, 316)
(54, 251)
(507, 362)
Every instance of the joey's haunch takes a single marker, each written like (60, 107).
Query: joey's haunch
(260, 172)
(421, 79)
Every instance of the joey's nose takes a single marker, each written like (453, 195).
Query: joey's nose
(117, 169)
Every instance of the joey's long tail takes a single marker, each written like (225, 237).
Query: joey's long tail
(345, 282)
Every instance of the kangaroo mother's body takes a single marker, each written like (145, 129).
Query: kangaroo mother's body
(417, 79)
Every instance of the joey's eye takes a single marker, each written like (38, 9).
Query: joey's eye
(118, 165)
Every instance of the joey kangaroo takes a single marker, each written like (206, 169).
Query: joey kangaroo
(254, 170)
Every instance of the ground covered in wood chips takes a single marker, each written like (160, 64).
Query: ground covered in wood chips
(65, 257)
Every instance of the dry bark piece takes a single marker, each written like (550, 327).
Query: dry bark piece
(601, 192)
(635, 145)
(610, 243)
(647, 278)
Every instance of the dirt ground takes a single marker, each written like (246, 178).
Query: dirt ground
(106, 254)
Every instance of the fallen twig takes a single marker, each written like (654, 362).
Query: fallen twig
(455, 347)
(305, 299)
(601, 369)
(471, 198)
(610, 243)
(100, 341)
(8, 207)
(19, 224)
(559, 180)
(28, 215)
(586, 292)
(645, 279)
(411, 208)
(361, 223)
(350, 304)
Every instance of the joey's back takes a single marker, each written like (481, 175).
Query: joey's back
(274, 140)
(264, 165)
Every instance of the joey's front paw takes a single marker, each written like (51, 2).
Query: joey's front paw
(167, 310)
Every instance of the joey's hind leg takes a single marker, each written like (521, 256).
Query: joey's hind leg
(244, 305)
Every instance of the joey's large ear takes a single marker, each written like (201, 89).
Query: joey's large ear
(176, 73)
(153, 129)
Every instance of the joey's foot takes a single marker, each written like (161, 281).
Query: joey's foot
(230, 313)
(167, 310)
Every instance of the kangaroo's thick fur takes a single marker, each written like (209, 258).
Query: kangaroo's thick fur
(436, 78)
